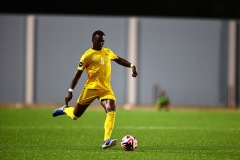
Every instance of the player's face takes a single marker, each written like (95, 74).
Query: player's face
(98, 42)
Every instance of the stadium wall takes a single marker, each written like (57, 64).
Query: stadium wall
(186, 57)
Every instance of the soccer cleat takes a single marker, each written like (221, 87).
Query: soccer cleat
(109, 143)
(59, 111)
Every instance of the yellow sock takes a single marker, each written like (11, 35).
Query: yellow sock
(69, 112)
(109, 124)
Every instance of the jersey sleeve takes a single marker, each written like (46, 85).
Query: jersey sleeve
(112, 54)
(82, 63)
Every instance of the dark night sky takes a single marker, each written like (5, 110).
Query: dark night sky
(226, 9)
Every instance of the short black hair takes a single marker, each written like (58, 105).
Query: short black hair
(99, 32)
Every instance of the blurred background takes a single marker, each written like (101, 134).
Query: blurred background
(189, 49)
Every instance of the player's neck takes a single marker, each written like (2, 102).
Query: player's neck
(97, 49)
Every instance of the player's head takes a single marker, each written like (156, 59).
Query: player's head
(98, 38)
(99, 32)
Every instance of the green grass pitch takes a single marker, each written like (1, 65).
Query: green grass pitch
(32, 134)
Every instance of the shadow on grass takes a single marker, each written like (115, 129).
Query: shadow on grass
(139, 149)
(189, 148)
(47, 147)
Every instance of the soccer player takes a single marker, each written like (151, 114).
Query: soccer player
(97, 62)
(163, 101)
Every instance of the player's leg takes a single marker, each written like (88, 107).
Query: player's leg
(108, 100)
(75, 112)
(110, 108)
(167, 105)
(84, 100)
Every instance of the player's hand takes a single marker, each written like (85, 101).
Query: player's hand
(134, 71)
(68, 97)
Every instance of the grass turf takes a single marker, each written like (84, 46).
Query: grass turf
(29, 133)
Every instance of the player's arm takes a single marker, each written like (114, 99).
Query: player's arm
(125, 63)
(72, 86)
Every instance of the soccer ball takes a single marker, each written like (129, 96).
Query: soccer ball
(129, 143)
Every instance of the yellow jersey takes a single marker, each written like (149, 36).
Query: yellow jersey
(98, 68)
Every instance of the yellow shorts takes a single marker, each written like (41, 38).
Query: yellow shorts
(89, 95)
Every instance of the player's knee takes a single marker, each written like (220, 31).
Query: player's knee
(110, 109)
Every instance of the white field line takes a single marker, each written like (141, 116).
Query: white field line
(119, 127)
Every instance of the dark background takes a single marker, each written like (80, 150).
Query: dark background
(226, 9)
